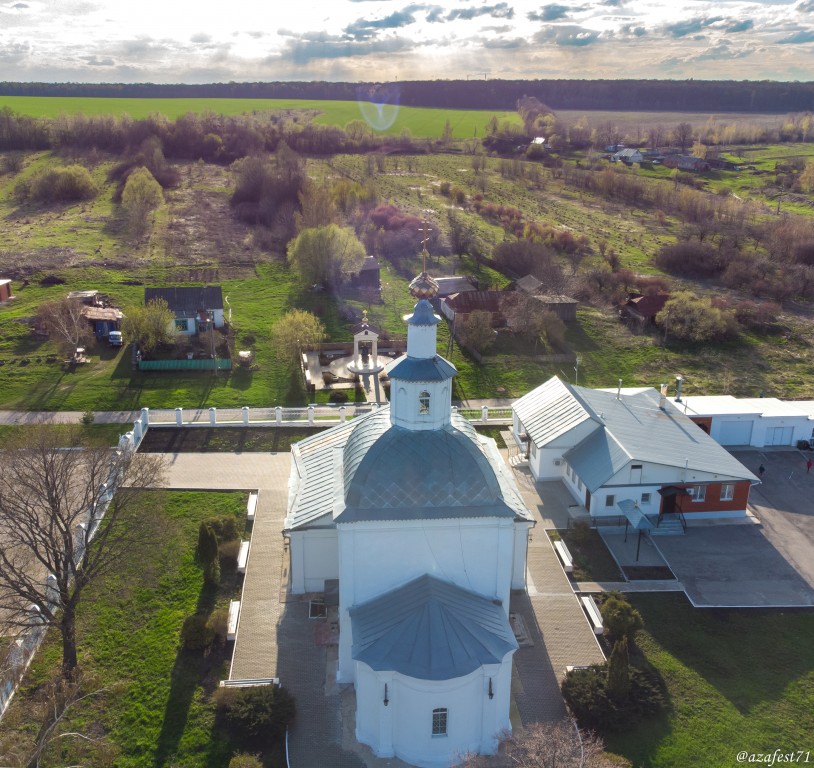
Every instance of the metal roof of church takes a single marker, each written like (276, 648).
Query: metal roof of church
(430, 630)
(392, 473)
(421, 369)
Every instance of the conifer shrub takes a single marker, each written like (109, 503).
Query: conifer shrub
(208, 555)
(196, 633)
(256, 717)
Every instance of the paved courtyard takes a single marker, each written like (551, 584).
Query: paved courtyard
(277, 639)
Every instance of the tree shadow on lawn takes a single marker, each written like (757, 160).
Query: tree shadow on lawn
(191, 670)
(750, 656)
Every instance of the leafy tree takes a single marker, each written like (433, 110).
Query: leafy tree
(150, 325)
(806, 178)
(326, 254)
(525, 315)
(65, 324)
(620, 618)
(317, 207)
(296, 330)
(475, 330)
(59, 533)
(693, 318)
(142, 194)
(618, 684)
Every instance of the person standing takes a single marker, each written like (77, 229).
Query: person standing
(760, 470)
(809, 464)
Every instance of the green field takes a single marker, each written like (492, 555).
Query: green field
(737, 681)
(421, 123)
(157, 707)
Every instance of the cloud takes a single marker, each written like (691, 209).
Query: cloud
(19, 6)
(567, 35)
(505, 43)
(690, 27)
(201, 37)
(317, 46)
(805, 7)
(95, 61)
(741, 26)
(798, 38)
(497, 11)
(550, 12)
(366, 28)
(14, 52)
(436, 14)
(629, 30)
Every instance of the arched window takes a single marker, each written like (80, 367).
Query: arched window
(439, 722)
(424, 403)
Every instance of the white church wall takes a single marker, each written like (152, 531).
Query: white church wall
(314, 558)
(403, 728)
(374, 558)
(405, 406)
(521, 547)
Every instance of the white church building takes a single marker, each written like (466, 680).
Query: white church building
(421, 522)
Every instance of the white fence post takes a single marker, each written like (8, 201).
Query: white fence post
(136, 432)
(213, 416)
(310, 414)
(179, 417)
(245, 410)
(454, 409)
(484, 413)
(145, 417)
(278, 415)
(342, 414)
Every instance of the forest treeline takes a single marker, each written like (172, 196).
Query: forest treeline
(629, 95)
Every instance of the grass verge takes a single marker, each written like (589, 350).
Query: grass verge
(158, 709)
(737, 681)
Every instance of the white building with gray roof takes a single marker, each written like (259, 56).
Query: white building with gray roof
(628, 445)
(421, 522)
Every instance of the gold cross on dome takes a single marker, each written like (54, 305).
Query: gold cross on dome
(425, 230)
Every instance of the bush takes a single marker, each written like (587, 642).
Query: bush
(197, 634)
(218, 624)
(228, 552)
(207, 554)
(257, 716)
(338, 396)
(620, 618)
(244, 760)
(224, 528)
(691, 259)
(586, 693)
(57, 185)
(581, 532)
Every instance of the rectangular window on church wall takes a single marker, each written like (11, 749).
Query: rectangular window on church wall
(439, 722)
(424, 403)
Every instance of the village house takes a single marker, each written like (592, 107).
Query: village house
(628, 447)
(644, 309)
(194, 307)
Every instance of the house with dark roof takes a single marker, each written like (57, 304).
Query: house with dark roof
(625, 448)
(459, 306)
(644, 308)
(194, 306)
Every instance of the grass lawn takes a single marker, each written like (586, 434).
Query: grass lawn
(592, 561)
(158, 710)
(105, 433)
(736, 681)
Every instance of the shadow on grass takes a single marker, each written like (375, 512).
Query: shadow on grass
(190, 669)
(749, 657)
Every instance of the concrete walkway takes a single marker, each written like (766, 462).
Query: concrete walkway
(275, 636)
(550, 610)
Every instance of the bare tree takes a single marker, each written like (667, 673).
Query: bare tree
(67, 515)
(65, 323)
(545, 745)
(682, 135)
(56, 703)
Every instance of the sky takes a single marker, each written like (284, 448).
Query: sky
(170, 41)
